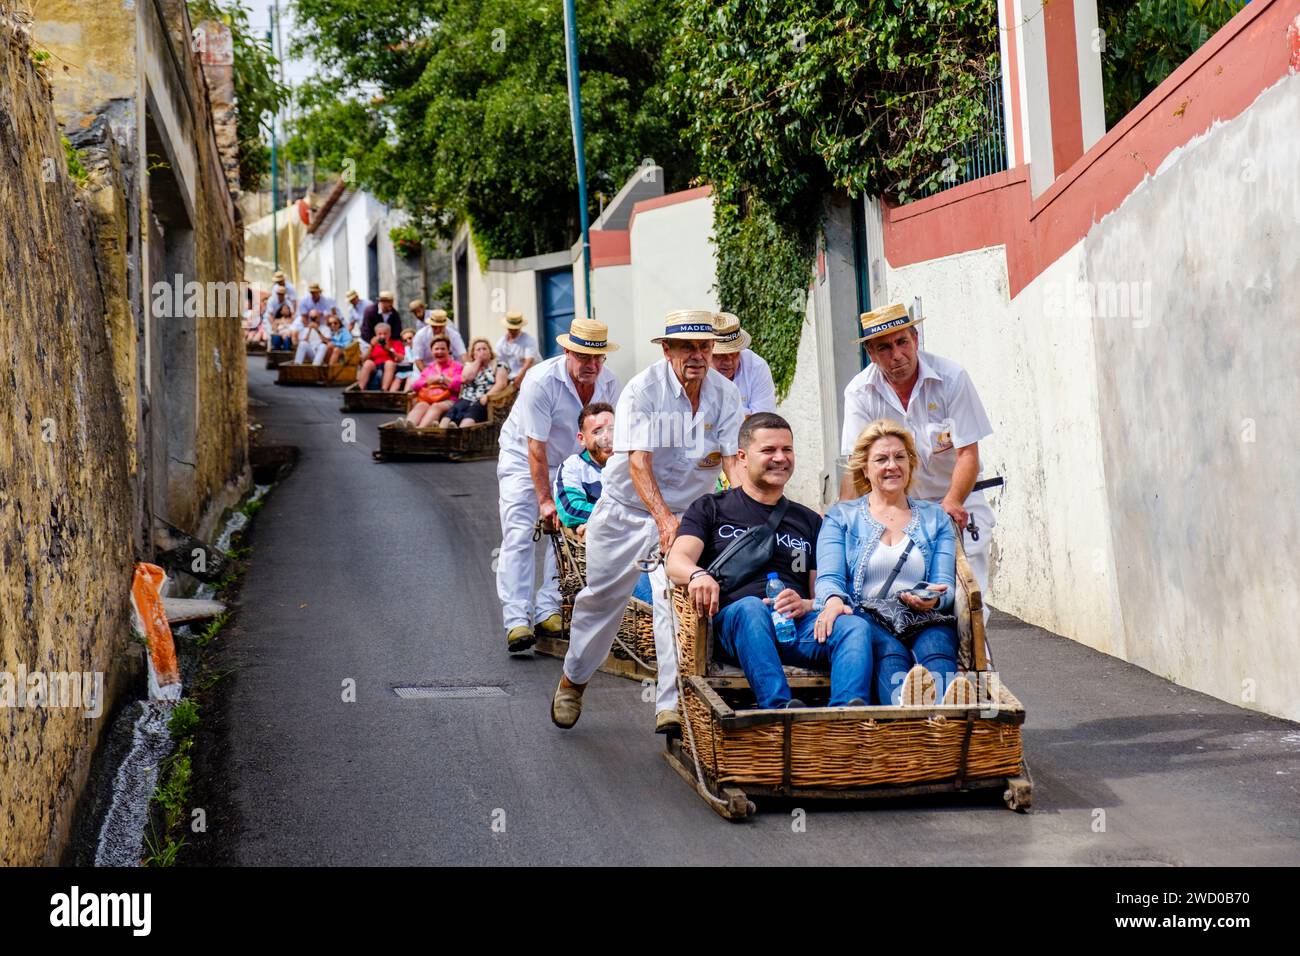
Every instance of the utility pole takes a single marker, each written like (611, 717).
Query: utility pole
(575, 116)
(275, 185)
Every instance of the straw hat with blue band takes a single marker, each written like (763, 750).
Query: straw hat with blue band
(882, 321)
(588, 337)
(689, 324)
(731, 337)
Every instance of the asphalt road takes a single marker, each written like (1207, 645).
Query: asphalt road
(381, 574)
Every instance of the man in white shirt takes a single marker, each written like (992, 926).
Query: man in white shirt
(537, 436)
(311, 336)
(279, 296)
(432, 326)
(315, 300)
(279, 279)
(676, 424)
(937, 402)
(745, 369)
(517, 348)
(353, 315)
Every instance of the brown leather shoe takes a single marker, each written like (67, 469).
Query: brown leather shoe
(520, 638)
(668, 722)
(566, 705)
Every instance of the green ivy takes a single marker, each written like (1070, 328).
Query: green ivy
(786, 101)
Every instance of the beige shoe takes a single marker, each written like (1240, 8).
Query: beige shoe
(960, 692)
(918, 688)
(553, 626)
(520, 638)
(566, 706)
(667, 722)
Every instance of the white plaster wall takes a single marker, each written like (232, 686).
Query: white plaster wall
(1051, 558)
(611, 294)
(802, 408)
(674, 266)
(494, 293)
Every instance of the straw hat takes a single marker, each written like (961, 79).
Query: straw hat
(437, 317)
(386, 294)
(514, 320)
(278, 275)
(353, 295)
(415, 304)
(688, 324)
(586, 336)
(313, 287)
(882, 321)
(731, 337)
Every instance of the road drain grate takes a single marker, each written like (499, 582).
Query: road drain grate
(444, 692)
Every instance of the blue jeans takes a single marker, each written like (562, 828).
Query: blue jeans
(281, 342)
(935, 648)
(643, 590)
(745, 636)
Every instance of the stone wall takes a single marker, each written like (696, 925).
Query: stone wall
(65, 501)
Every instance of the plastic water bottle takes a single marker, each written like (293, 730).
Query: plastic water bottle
(784, 626)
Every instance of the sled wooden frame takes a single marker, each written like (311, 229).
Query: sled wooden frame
(636, 628)
(330, 376)
(844, 753)
(355, 399)
(448, 444)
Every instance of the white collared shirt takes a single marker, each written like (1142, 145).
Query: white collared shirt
(355, 313)
(423, 339)
(515, 353)
(754, 380)
(324, 305)
(654, 414)
(943, 414)
(547, 411)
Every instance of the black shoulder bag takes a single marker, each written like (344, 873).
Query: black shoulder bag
(749, 555)
(895, 616)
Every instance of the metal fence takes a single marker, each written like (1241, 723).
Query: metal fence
(986, 152)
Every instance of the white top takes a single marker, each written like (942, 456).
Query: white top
(324, 305)
(754, 380)
(306, 333)
(423, 348)
(686, 448)
(944, 413)
(354, 314)
(547, 411)
(515, 353)
(289, 290)
(882, 562)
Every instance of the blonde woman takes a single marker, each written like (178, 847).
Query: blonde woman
(482, 378)
(883, 544)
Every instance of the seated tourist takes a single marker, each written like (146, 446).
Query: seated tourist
(482, 378)
(339, 340)
(310, 338)
(379, 370)
(282, 328)
(407, 368)
(436, 388)
(578, 480)
(882, 544)
(743, 628)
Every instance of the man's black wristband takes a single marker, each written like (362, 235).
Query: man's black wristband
(696, 573)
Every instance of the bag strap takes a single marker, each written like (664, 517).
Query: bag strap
(902, 560)
(778, 513)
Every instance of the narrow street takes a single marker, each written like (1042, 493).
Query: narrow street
(381, 574)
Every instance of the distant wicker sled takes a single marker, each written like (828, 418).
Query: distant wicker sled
(328, 375)
(732, 752)
(355, 399)
(633, 654)
(447, 444)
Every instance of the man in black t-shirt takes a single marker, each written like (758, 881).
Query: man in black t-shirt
(743, 628)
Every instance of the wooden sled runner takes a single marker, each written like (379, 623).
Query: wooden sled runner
(633, 654)
(327, 375)
(732, 753)
(448, 444)
(276, 357)
(356, 400)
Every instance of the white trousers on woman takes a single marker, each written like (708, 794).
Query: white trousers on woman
(310, 351)
(516, 562)
(617, 537)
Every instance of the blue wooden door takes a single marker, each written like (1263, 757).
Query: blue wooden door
(555, 294)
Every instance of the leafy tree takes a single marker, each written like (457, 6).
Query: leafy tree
(787, 100)
(1146, 40)
(257, 86)
(458, 109)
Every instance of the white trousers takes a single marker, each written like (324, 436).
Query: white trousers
(617, 537)
(310, 351)
(516, 562)
(977, 552)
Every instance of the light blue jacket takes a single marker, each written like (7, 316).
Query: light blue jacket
(849, 535)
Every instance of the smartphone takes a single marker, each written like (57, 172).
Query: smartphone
(922, 591)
